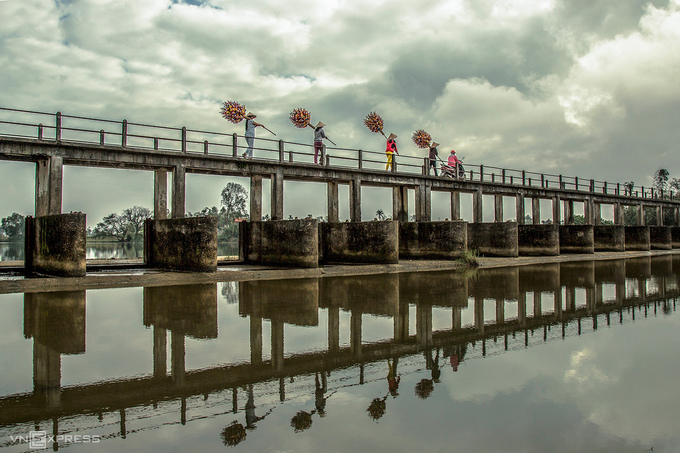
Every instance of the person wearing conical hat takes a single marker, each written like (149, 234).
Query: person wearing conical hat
(390, 151)
(319, 135)
(251, 124)
(434, 155)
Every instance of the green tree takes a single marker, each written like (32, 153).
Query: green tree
(661, 179)
(113, 225)
(234, 197)
(380, 214)
(134, 218)
(13, 226)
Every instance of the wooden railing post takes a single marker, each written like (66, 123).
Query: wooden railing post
(40, 131)
(426, 166)
(592, 185)
(184, 139)
(234, 145)
(542, 181)
(481, 173)
(205, 146)
(503, 175)
(575, 182)
(155, 144)
(524, 178)
(101, 137)
(360, 156)
(281, 151)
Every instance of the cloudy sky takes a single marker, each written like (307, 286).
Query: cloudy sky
(578, 87)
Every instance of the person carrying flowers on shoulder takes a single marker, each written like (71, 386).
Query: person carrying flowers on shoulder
(251, 124)
(390, 151)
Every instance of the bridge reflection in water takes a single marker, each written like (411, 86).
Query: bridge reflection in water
(511, 308)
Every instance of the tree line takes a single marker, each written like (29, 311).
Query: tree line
(128, 225)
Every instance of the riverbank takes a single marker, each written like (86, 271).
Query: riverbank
(117, 275)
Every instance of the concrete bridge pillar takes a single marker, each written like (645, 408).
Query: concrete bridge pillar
(423, 202)
(178, 192)
(640, 214)
(618, 214)
(597, 211)
(424, 325)
(556, 217)
(277, 195)
(477, 212)
(401, 321)
(457, 318)
(536, 211)
(538, 311)
(479, 314)
(355, 200)
(400, 203)
(160, 194)
(659, 216)
(48, 186)
(333, 204)
(568, 212)
(522, 308)
(500, 311)
(519, 208)
(498, 208)
(588, 211)
(255, 197)
(455, 205)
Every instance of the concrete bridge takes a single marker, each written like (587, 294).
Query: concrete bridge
(53, 141)
(611, 292)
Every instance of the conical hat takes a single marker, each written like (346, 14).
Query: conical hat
(434, 145)
(392, 137)
(251, 115)
(319, 124)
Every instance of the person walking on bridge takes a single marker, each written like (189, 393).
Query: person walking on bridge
(319, 135)
(434, 155)
(251, 124)
(390, 151)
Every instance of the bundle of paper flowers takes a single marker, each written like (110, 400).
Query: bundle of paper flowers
(422, 139)
(374, 123)
(233, 112)
(300, 118)
(233, 434)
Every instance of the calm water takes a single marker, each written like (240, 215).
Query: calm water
(100, 251)
(570, 357)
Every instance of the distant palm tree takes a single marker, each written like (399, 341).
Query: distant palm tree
(380, 214)
(661, 179)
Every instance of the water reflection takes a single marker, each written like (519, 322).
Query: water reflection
(490, 312)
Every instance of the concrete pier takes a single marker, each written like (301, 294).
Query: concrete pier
(182, 244)
(637, 237)
(610, 238)
(361, 242)
(432, 240)
(537, 240)
(675, 237)
(292, 243)
(493, 239)
(577, 239)
(55, 245)
(660, 238)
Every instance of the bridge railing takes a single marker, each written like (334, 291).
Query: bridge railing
(46, 126)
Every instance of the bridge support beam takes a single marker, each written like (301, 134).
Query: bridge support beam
(556, 217)
(498, 208)
(519, 208)
(333, 214)
(355, 200)
(619, 215)
(477, 211)
(423, 202)
(280, 242)
(160, 194)
(640, 214)
(179, 192)
(400, 203)
(255, 198)
(277, 196)
(568, 212)
(455, 205)
(536, 211)
(48, 186)
(597, 213)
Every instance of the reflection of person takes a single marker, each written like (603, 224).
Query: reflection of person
(319, 399)
(251, 418)
(390, 150)
(432, 363)
(319, 135)
(251, 124)
(392, 378)
(455, 355)
(434, 155)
